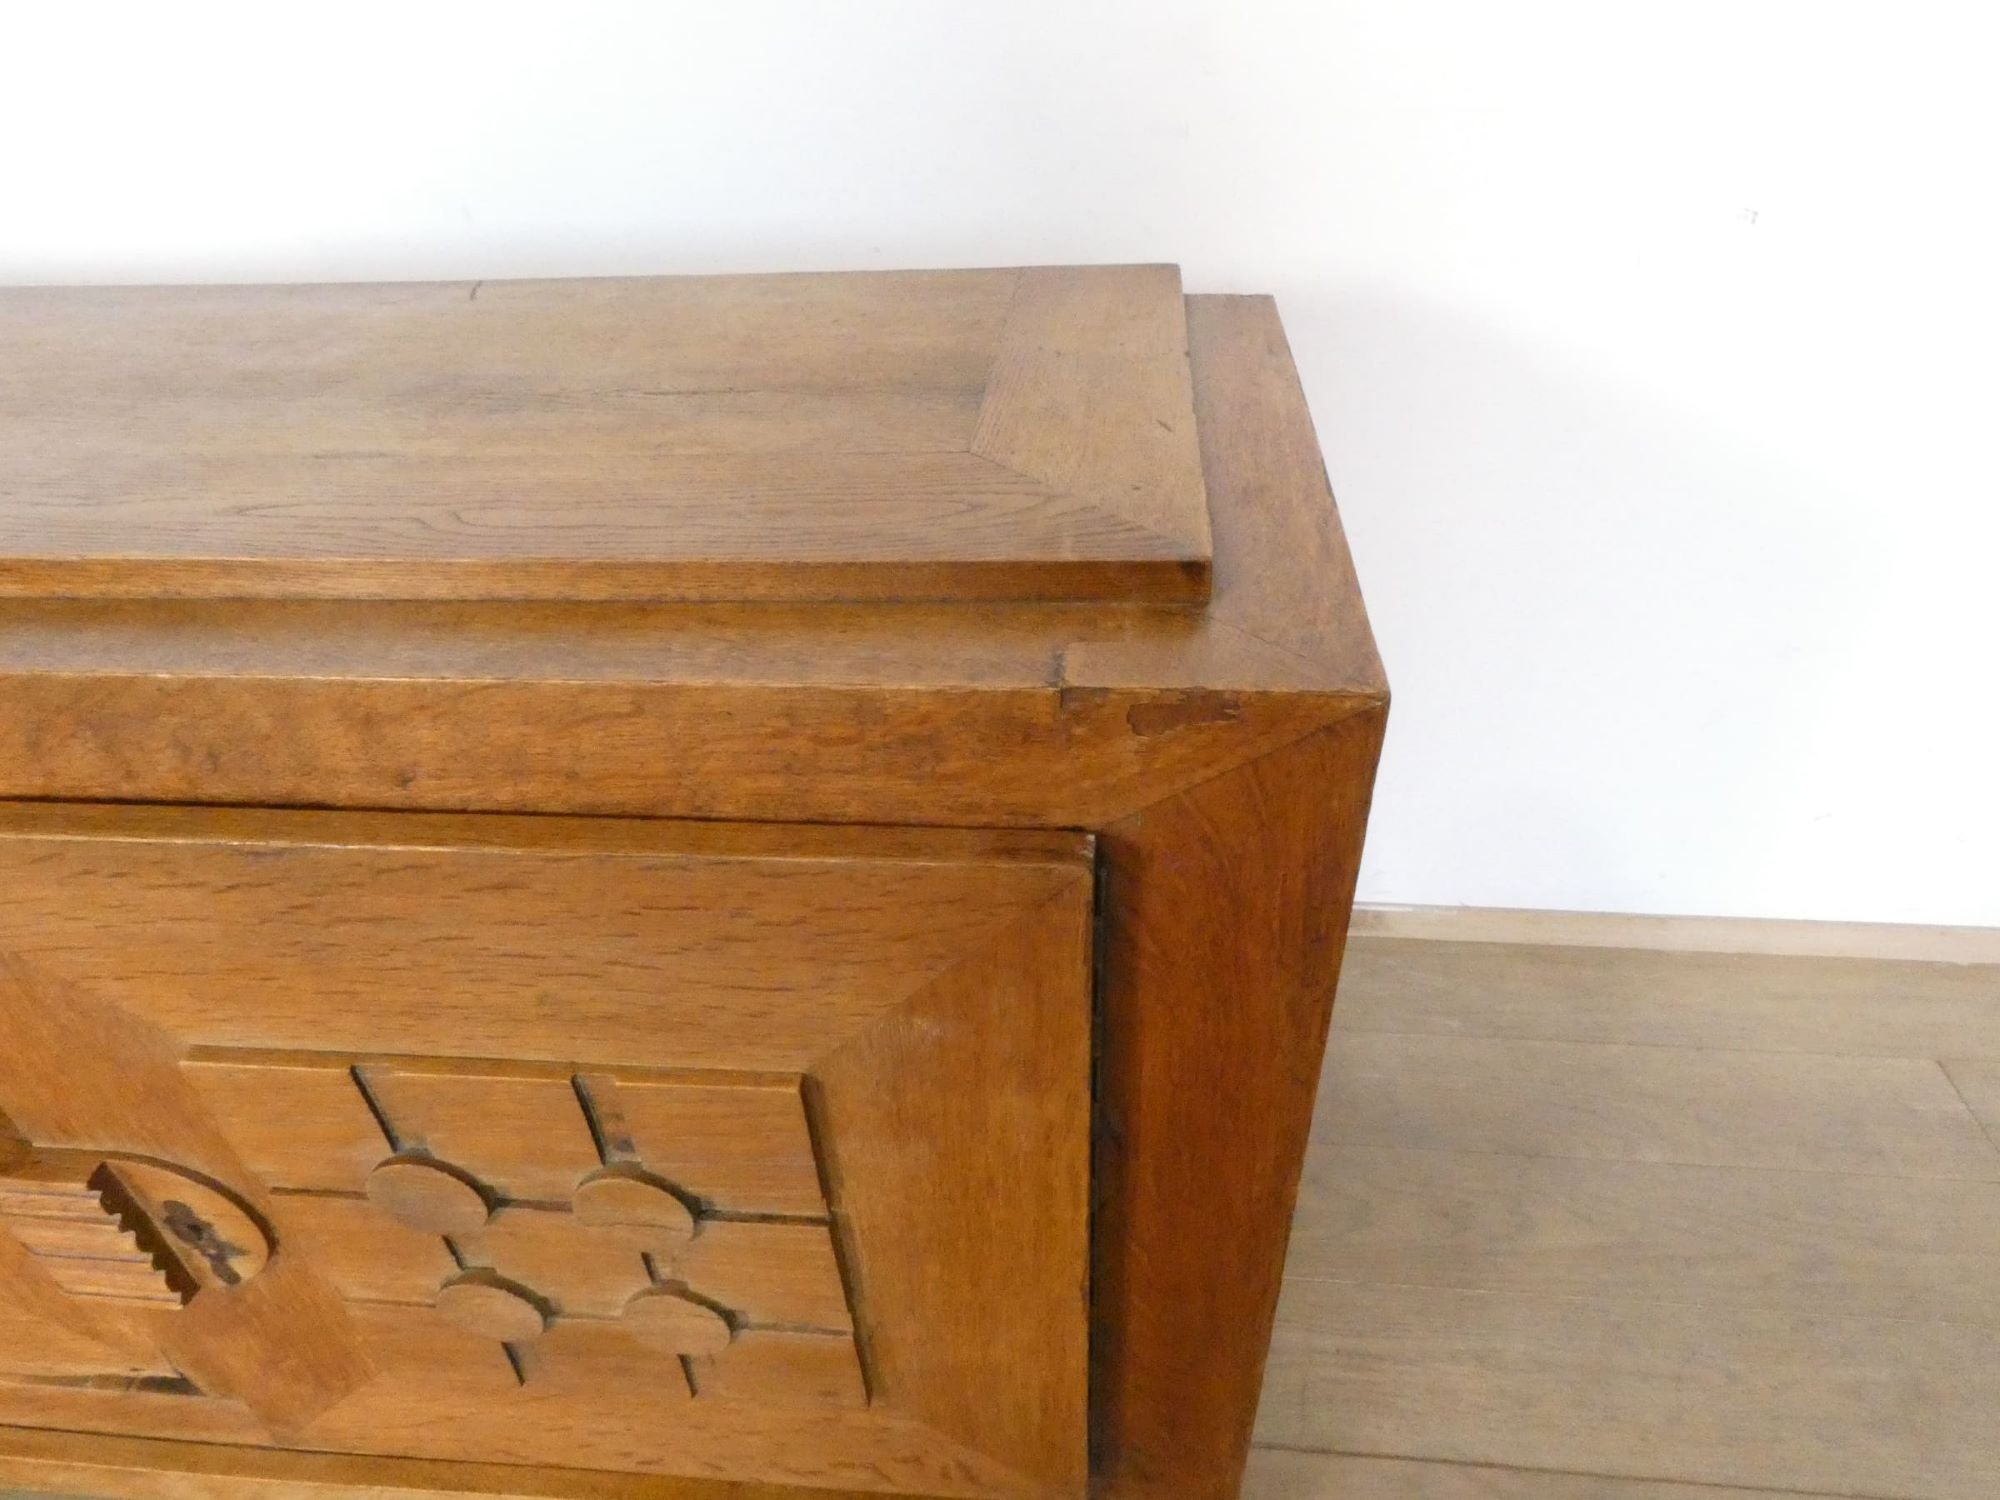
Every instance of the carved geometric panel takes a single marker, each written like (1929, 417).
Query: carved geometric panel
(845, 1245)
(679, 1291)
(514, 1198)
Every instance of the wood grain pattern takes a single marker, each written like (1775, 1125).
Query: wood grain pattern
(1715, 1237)
(485, 1303)
(579, 1270)
(745, 1149)
(586, 1423)
(626, 1197)
(826, 714)
(1823, 1329)
(1078, 755)
(326, 1138)
(1217, 984)
(957, 1111)
(676, 1324)
(1023, 1307)
(359, 918)
(127, 1468)
(1848, 1405)
(1236, 738)
(1181, 1324)
(530, 1140)
(40, 1327)
(774, 1364)
(773, 1273)
(429, 1197)
(720, 437)
(284, 1345)
(1089, 394)
(366, 1255)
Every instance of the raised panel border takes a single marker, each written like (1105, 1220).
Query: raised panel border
(1017, 998)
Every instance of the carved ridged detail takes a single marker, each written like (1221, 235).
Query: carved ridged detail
(90, 1244)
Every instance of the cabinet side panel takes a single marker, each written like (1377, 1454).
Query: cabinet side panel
(1226, 909)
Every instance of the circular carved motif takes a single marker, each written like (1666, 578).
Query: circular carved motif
(429, 1195)
(199, 1234)
(628, 1196)
(488, 1304)
(675, 1323)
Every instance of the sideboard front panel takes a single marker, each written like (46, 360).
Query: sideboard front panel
(740, 1152)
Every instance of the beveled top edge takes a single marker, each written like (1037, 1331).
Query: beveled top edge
(991, 435)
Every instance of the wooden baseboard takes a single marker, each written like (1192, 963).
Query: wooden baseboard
(1476, 924)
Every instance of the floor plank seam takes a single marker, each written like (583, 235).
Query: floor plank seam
(1978, 1119)
(1508, 1228)
(1547, 1039)
(1775, 1310)
(1695, 1484)
(1666, 1161)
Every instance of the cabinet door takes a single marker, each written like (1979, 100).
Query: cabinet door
(744, 1152)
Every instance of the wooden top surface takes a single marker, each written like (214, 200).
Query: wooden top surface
(1004, 435)
(1064, 715)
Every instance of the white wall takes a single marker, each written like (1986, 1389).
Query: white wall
(1653, 345)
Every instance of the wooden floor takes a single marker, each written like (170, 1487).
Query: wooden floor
(1602, 1224)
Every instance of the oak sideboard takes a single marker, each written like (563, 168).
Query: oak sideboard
(695, 888)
